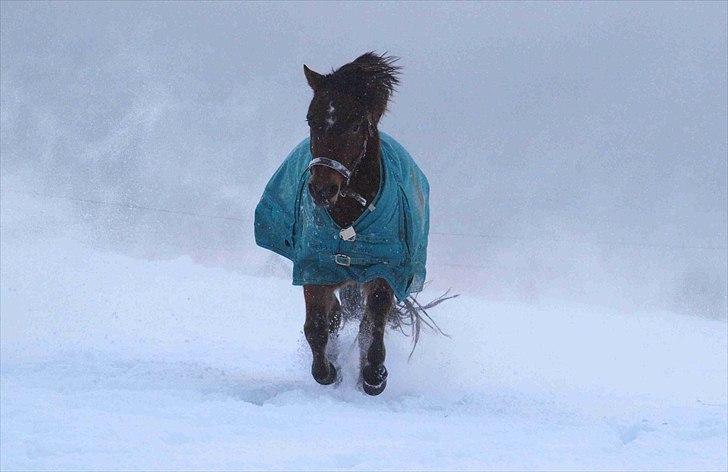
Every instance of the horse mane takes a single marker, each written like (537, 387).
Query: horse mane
(371, 78)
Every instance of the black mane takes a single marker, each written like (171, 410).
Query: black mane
(371, 79)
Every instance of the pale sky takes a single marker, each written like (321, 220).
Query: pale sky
(573, 149)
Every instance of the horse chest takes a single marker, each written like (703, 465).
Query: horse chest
(346, 213)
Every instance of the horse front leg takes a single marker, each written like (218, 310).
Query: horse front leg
(319, 302)
(379, 299)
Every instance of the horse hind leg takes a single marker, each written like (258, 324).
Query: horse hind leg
(379, 299)
(352, 301)
(319, 303)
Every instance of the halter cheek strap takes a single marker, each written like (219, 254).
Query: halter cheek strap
(352, 194)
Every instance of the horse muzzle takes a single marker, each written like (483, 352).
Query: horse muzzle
(324, 194)
(327, 177)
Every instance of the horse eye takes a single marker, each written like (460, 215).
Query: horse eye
(354, 128)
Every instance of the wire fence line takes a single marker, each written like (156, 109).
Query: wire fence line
(134, 206)
(597, 242)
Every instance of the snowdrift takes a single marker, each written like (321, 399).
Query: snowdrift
(114, 362)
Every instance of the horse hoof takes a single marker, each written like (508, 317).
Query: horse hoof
(374, 379)
(325, 378)
(374, 390)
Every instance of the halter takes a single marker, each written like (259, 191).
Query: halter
(343, 170)
(332, 164)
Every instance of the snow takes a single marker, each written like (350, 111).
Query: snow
(576, 154)
(330, 118)
(114, 362)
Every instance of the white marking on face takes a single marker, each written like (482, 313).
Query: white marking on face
(330, 119)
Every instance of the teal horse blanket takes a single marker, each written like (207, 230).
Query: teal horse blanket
(389, 240)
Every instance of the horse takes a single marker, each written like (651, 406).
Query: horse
(350, 207)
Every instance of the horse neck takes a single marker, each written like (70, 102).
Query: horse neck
(364, 181)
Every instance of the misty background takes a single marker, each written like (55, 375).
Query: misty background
(574, 151)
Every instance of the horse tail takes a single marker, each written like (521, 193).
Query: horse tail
(409, 315)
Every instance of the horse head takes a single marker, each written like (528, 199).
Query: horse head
(343, 115)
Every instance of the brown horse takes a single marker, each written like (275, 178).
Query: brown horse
(343, 117)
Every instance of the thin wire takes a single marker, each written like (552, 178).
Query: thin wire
(130, 205)
(599, 242)
(436, 233)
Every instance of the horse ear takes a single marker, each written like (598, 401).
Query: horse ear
(315, 80)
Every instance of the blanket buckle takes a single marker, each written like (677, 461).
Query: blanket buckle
(342, 259)
(348, 234)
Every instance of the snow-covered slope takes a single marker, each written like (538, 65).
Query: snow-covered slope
(110, 362)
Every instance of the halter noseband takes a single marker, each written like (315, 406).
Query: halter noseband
(333, 164)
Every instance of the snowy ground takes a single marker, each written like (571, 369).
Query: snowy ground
(110, 362)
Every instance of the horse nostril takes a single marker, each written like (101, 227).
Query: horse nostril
(329, 191)
(322, 193)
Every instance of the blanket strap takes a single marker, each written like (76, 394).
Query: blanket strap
(343, 259)
(346, 260)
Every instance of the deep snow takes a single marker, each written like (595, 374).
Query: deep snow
(111, 362)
